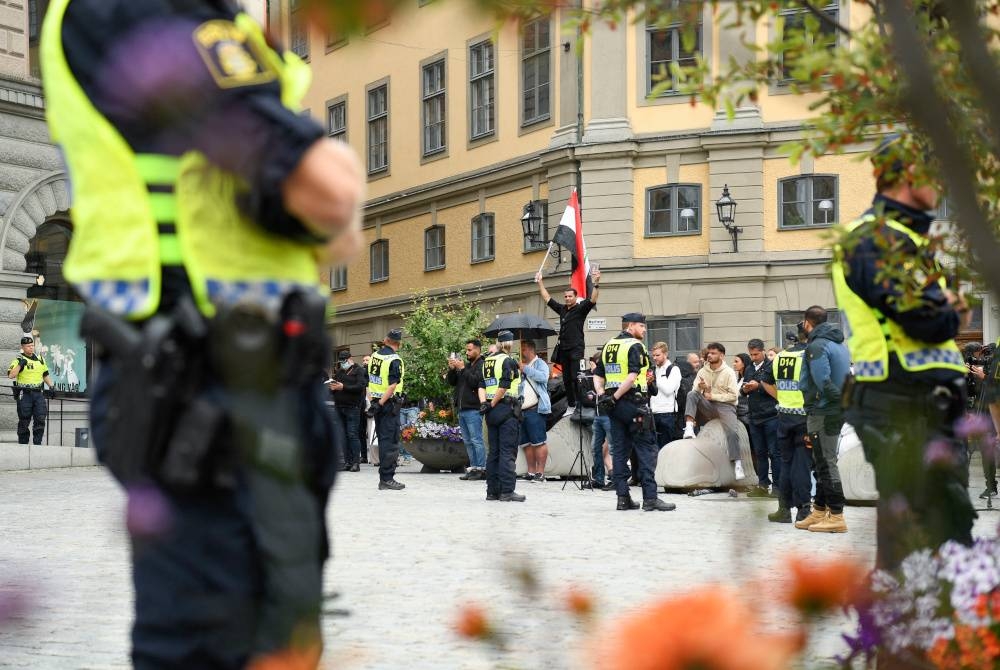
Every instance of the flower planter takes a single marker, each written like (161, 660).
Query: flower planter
(437, 454)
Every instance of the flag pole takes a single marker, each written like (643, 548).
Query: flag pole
(548, 252)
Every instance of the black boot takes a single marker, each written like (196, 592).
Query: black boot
(657, 505)
(626, 503)
(783, 515)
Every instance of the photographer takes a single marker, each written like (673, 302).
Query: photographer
(982, 399)
(465, 377)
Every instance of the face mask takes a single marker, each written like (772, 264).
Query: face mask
(345, 365)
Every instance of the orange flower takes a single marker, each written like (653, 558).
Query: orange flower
(579, 602)
(289, 659)
(443, 414)
(471, 623)
(818, 586)
(709, 628)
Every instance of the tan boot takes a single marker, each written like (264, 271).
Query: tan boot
(818, 514)
(832, 524)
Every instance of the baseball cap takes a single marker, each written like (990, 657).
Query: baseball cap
(505, 336)
(396, 335)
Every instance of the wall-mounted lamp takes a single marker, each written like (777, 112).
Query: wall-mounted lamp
(726, 208)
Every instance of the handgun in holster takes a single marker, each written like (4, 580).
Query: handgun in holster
(158, 427)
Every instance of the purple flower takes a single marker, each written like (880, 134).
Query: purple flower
(148, 511)
(14, 603)
(939, 453)
(973, 426)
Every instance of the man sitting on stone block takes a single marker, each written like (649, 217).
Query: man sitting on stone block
(714, 396)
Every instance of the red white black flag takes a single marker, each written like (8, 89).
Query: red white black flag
(569, 235)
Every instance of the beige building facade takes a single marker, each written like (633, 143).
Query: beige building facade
(462, 124)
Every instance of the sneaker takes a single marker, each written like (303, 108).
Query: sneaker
(526, 476)
(469, 474)
(355, 467)
(512, 497)
(539, 477)
(988, 493)
(689, 432)
(738, 469)
(492, 496)
(657, 505)
(391, 485)
(758, 492)
(610, 486)
(596, 485)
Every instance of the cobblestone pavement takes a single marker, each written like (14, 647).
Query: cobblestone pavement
(406, 561)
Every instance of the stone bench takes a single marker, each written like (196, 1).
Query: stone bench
(856, 474)
(703, 461)
(564, 444)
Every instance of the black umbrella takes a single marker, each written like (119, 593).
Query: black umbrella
(524, 326)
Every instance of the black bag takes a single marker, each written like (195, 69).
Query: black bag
(687, 383)
(557, 396)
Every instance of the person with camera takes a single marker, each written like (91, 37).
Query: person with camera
(570, 347)
(499, 398)
(350, 381)
(535, 406)
(465, 377)
(31, 376)
(386, 373)
(758, 388)
(623, 394)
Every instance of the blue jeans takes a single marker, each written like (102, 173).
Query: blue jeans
(470, 421)
(666, 427)
(764, 446)
(602, 431)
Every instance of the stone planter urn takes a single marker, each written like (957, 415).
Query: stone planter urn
(438, 455)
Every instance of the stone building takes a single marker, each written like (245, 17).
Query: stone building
(465, 127)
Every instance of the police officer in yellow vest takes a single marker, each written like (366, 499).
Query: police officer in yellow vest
(908, 372)
(623, 394)
(30, 375)
(794, 482)
(499, 395)
(203, 204)
(385, 385)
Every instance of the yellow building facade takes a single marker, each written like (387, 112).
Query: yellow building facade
(463, 124)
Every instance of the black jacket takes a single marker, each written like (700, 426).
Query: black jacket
(355, 381)
(762, 406)
(466, 383)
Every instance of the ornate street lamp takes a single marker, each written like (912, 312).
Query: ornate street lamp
(533, 224)
(726, 207)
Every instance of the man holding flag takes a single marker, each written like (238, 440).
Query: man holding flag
(579, 299)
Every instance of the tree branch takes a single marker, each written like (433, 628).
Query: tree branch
(824, 18)
(925, 103)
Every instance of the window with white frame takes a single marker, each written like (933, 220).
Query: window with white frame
(682, 334)
(336, 120)
(667, 44)
(434, 107)
(482, 237)
(673, 209)
(379, 260)
(378, 129)
(536, 48)
(298, 30)
(481, 90)
(807, 201)
(338, 278)
(434, 248)
(813, 30)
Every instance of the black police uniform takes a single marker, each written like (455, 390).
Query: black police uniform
(897, 419)
(203, 591)
(503, 430)
(32, 407)
(795, 474)
(627, 434)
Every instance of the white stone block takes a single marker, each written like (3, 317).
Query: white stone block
(13, 457)
(49, 457)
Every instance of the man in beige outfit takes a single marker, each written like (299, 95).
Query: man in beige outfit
(714, 396)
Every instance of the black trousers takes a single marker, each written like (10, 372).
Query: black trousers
(387, 430)
(569, 361)
(794, 483)
(31, 409)
(921, 469)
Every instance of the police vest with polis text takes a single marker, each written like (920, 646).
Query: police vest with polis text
(872, 337)
(378, 374)
(787, 367)
(615, 358)
(170, 210)
(493, 371)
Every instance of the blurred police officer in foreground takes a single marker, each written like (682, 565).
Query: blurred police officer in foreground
(203, 201)
(385, 386)
(31, 376)
(619, 380)
(499, 395)
(908, 370)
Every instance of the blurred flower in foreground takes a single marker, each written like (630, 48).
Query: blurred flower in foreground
(289, 659)
(579, 602)
(148, 512)
(972, 426)
(708, 629)
(820, 586)
(14, 602)
(472, 623)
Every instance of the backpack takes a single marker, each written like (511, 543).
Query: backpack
(687, 383)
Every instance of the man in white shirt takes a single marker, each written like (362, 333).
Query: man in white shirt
(714, 396)
(664, 403)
